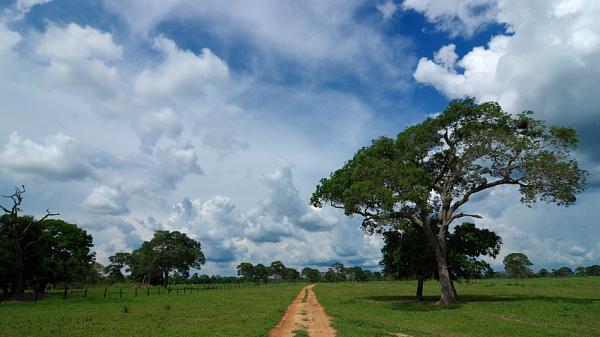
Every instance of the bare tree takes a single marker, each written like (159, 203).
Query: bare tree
(17, 233)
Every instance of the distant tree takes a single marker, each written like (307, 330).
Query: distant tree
(435, 168)
(377, 276)
(543, 273)
(166, 252)
(291, 274)
(592, 270)
(246, 270)
(336, 273)
(18, 232)
(356, 274)
(277, 270)
(115, 268)
(562, 272)
(261, 273)
(516, 265)
(330, 276)
(311, 275)
(580, 271)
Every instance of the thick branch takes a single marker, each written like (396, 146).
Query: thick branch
(460, 215)
(479, 188)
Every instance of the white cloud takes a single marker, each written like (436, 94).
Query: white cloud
(8, 39)
(106, 200)
(173, 163)
(81, 57)
(455, 16)
(154, 125)
(387, 9)
(550, 64)
(58, 157)
(183, 74)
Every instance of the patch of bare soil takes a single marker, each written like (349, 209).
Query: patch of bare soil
(306, 315)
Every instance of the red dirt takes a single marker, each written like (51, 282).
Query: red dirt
(309, 316)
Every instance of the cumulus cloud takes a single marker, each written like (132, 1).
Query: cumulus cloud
(58, 157)
(549, 63)
(106, 200)
(183, 74)
(455, 16)
(81, 57)
(173, 163)
(154, 125)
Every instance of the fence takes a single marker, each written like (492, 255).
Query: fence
(112, 292)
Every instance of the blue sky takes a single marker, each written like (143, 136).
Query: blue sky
(219, 118)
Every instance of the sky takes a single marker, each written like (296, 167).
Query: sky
(219, 118)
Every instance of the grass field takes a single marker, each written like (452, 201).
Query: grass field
(245, 312)
(536, 307)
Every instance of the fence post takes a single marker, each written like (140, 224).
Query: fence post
(148, 292)
(135, 291)
(65, 294)
(168, 290)
(184, 289)
(178, 288)
(159, 290)
(105, 290)
(120, 292)
(85, 293)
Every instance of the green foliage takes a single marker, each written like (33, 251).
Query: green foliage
(408, 253)
(155, 260)
(517, 265)
(466, 149)
(311, 275)
(54, 252)
(430, 170)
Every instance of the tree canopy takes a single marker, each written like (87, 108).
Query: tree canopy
(517, 265)
(432, 169)
(165, 253)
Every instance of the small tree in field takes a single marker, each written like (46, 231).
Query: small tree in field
(517, 265)
(432, 170)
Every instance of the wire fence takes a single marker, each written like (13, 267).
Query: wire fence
(135, 291)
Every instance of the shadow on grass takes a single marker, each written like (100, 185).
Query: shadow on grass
(429, 303)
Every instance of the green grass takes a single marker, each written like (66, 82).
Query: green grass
(536, 307)
(300, 333)
(246, 312)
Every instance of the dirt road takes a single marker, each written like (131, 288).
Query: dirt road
(305, 313)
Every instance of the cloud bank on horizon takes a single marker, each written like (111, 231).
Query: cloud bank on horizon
(219, 119)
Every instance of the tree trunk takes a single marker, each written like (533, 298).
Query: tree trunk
(166, 278)
(448, 295)
(420, 288)
(438, 242)
(19, 286)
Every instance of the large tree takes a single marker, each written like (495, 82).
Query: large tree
(432, 170)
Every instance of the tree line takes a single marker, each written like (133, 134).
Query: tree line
(277, 271)
(517, 265)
